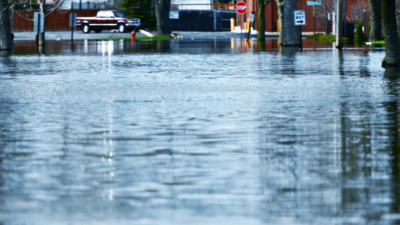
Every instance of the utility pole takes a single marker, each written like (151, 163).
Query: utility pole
(339, 23)
(345, 19)
(314, 3)
(313, 8)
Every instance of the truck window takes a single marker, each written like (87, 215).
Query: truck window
(101, 14)
(109, 14)
(119, 14)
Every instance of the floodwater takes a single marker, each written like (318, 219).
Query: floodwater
(197, 132)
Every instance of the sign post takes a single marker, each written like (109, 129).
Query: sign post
(300, 20)
(314, 3)
(241, 8)
(38, 26)
(72, 24)
(251, 20)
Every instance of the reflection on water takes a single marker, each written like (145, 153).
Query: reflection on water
(197, 132)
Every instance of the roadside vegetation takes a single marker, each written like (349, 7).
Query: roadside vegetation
(359, 35)
(325, 38)
(378, 42)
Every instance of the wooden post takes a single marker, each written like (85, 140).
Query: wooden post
(301, 39)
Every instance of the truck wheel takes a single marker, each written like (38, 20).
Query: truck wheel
(121, 28)
(85, 28)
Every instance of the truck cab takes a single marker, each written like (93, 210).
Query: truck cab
(107, 20)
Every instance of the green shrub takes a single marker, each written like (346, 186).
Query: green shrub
(358, 35)
(327, 39)
(311, 36)
(323, 38)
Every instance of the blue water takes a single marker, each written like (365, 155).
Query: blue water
(197, 132)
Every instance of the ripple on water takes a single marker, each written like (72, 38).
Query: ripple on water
(197, 133)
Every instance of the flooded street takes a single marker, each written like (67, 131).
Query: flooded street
(197, 132)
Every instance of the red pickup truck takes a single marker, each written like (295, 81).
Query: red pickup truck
(107, 20)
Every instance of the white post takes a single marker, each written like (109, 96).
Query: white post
(333, 23)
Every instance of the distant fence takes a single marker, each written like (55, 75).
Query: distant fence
(57, 21)
(87, 5)
(200, 20)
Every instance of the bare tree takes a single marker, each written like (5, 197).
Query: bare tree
(26, 9)
(322, 12)
(261, 18)
(357, 10)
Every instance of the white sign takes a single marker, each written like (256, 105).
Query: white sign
(174, 14)
(251, 18)
(38, 22)
(72, 20)
(299, 17)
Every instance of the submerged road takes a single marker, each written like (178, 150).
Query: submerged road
(78, 35)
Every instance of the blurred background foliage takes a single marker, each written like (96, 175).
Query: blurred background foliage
(142, 9)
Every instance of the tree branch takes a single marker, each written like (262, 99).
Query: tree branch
(8, 6)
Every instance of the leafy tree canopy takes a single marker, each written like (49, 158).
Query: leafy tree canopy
(141, 9)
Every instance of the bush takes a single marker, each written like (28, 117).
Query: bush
(320, 37)
(327, 39)
(317, 36)
(358, 35)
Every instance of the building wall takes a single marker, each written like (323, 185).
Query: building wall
(354, 12)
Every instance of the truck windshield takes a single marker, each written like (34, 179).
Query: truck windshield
(119, 14)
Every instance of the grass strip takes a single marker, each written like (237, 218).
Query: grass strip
(378, 42)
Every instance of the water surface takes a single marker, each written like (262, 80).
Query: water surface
(197, 132)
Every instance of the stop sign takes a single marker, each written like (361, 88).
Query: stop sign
(241, 7)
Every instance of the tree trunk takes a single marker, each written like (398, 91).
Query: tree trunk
(397, 12)
(375, 34)
(5, 29)
(292, 33)
(390, 27)
(289, 34)
(280, 4)
(339, 24)
(162, 8)
(261, 20)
